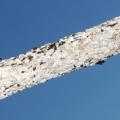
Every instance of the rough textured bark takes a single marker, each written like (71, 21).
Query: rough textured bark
(76, 51)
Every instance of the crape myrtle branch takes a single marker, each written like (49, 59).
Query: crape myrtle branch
(79, 50)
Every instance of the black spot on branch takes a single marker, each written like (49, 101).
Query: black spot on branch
(52, 46)
(30, 57)
(112, 25)
(42, 63)
(13, 64)
(81, 65)
(102, 30)
(23, 59)
(40, 52)
(109, 56)
(74, 67)
(100, 62)
(20, 64)
(18, 85)
(34, 68)
(62, 58)
(73, 34)
(34, 48)
(33, 81)
(34, 76)
(34, 51)
(22, 71)
(9, 87)
(89, 60)
(1, 65)
(61, 43)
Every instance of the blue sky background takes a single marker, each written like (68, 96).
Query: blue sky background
(88, 94)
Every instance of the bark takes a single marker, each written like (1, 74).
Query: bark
(79, 50)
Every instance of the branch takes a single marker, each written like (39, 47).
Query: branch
(76, 51)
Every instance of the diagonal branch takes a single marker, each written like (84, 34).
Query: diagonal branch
(76, 51)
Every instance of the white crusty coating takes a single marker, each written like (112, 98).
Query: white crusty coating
(76, 51)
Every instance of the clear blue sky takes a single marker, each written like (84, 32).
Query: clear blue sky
(88, 94)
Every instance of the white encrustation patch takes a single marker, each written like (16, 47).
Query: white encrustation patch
(72, 52)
